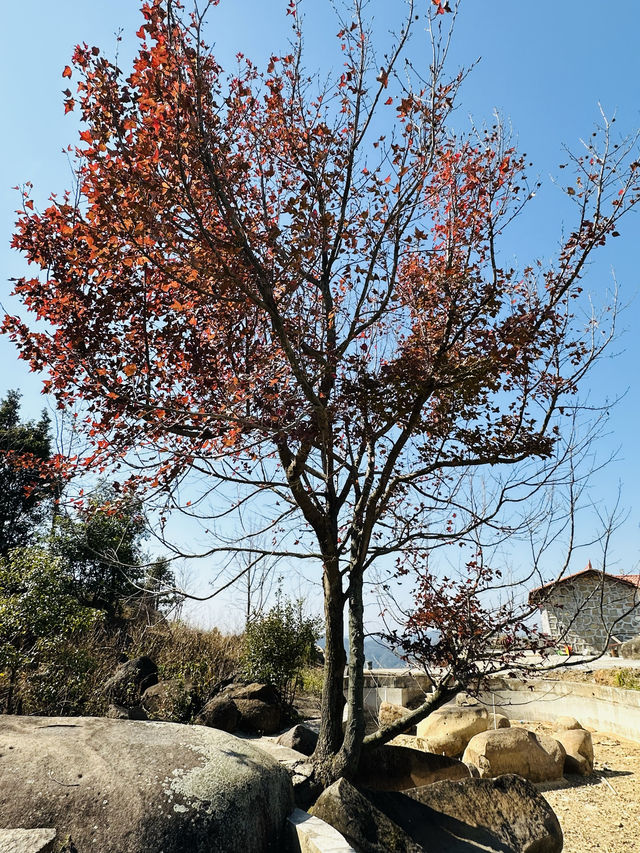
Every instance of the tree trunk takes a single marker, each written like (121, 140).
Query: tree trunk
(435, 700)
(330, 737)
(355, 728)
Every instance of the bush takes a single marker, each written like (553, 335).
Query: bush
(627, 678)
(200, 659)
(312, 680)
(43, 666)
(56, 653)
(278, 644)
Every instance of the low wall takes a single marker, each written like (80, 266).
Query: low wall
(607, 709)
(399, 688)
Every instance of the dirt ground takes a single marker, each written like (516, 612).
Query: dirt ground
(600, 812)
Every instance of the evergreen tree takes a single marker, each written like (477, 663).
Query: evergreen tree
(26, 480)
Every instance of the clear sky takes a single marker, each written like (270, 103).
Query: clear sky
(545, 66)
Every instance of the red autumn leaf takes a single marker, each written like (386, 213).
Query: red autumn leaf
(350, 346)
(67, 71)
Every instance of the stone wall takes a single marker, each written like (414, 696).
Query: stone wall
(582, 612)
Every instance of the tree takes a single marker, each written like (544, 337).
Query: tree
(39, 619)
(296, 291)
(102, 548)
(27, 477)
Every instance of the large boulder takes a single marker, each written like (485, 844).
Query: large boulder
(508, 812)
(364, 825)
(299, 738)
(254, 708)
(28, 841)
(137, 787)
(448, 730)
(258, 717)
(630, 649)
(130, 680)
(463, 817)
(262, 692)
(578, 745)
(396, 768)
(220, 713)
(538, 758)
(170, 701)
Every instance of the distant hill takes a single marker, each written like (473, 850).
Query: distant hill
(380, 655)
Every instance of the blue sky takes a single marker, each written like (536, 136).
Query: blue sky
(544, 66)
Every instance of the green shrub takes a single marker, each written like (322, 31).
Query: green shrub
(312, 678)
(278, 644)
(43, 665)
(627, 678)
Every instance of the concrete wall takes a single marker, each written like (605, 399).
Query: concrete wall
(399, 688)
(607, 709)
(583, 611)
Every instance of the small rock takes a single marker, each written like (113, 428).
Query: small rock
(578, 746)
(388, 713)
(119, 712)
(566, 724)
(630, 649)
(465, 699)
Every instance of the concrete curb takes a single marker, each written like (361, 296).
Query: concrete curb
(309, 834)
(607, 709)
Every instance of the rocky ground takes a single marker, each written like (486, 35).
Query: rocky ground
(600, 812)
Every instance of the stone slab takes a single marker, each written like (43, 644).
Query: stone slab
(310, 834)
(27, 840)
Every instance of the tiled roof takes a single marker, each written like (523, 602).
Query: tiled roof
(589, 570)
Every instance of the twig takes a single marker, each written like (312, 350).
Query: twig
(607, 782)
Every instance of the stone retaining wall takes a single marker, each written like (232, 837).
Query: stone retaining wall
(607, 709)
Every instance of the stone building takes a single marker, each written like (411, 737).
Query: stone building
(590, 609)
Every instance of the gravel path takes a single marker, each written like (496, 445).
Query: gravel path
(600, 812)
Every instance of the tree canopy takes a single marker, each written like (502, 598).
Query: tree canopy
(296, 290)
(102, 548)
(27, 480)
